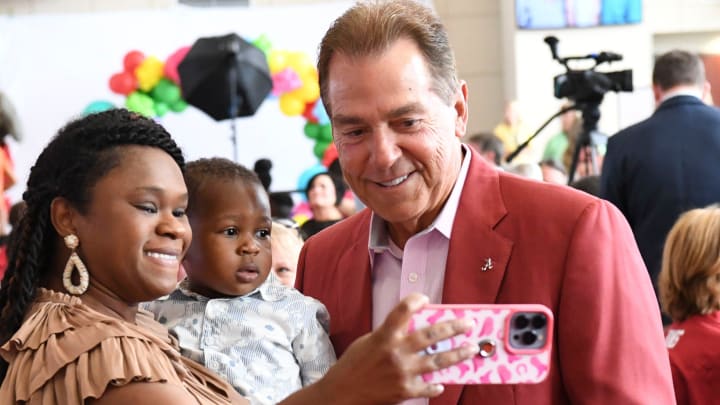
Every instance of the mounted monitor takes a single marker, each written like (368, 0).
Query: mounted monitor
(552, 14)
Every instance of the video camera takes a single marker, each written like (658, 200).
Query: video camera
(588, 86)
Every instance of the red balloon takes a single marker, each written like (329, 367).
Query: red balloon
(330, 155)
(132, 60)
(308, 113)
(123, 83)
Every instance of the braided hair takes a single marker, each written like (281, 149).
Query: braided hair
(72, 163)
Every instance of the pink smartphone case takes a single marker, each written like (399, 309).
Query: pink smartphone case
(507, 365)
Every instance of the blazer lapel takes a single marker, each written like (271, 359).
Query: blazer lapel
(354, 290)
(478, 255)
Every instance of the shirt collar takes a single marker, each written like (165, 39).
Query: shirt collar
(682, 91)
(270, 290)
(379, 240)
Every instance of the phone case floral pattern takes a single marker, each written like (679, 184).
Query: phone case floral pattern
(499, 362)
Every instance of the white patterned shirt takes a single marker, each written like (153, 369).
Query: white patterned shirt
(267, 344)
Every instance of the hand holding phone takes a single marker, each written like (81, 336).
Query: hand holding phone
(515, 343)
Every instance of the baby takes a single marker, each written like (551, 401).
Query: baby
(286, 246)
(231, 313)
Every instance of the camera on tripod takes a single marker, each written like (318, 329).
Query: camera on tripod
(588, 85)
(586, 89)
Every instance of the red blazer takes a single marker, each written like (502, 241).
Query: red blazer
(550, 245)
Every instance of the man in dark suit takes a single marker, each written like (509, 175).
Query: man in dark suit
(444, 223)
(669, 163)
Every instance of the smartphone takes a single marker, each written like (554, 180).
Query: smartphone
(515, 342)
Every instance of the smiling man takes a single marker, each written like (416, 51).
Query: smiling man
(443, 222)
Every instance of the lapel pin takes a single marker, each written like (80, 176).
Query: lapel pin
(488, 264)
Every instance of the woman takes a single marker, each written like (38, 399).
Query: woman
(690, 293)
(105, 222)
(324, 194)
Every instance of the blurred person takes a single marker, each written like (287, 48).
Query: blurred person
(553, 172)
(489, 147)
(570, 126)
(286, 245)
(589, 184)
(398, 111)
(690, 293)
(662, 166)
(281, 204)
(324, 193)
(512, 130)
(16, 213)
(9, 127)
(528, 170)
(349, 203)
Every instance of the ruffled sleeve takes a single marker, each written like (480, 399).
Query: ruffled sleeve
(65, 352)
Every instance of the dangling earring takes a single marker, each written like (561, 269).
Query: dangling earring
(74, 262)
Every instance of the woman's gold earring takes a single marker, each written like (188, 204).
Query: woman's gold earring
(74, 262)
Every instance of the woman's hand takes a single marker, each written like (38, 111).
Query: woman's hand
(385, 366)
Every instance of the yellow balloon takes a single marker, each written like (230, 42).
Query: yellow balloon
(300, 62)
(149, 73)
(310, 91)
(277, 61)
(291, 105)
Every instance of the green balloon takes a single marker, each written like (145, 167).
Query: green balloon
(325, 133)
(319, 149)
(161, 108)
(312, 131)
(178, 106)
(140, 103)
(166, 91)
(263, 43)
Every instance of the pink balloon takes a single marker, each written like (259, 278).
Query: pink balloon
(285, 81)
(172, 62)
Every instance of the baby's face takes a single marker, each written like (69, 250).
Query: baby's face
(286, 246)
(230, 254)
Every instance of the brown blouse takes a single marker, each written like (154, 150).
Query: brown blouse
(66, 352)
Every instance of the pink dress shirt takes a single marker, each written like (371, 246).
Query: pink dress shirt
(420, 267)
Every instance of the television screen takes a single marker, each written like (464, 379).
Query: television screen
(547, 14)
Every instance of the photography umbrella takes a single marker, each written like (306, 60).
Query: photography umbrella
(226, 77)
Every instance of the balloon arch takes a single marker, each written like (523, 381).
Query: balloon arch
(151, 87)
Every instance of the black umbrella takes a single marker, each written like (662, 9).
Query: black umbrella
(226, 77)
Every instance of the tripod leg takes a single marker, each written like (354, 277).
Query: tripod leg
(575, 159)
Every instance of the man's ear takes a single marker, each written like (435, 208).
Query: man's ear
(461, 107)
(707, 94)
(62, 215)
(657, 93)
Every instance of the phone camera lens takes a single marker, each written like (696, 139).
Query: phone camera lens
(539, 321)
(529, 337)
(521, 322)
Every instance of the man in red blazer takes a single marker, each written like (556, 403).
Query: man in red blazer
(444, 223)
